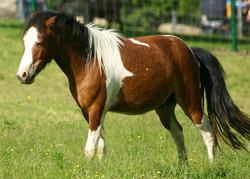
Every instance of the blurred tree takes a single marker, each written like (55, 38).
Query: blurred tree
(53, 4)
(148, 12)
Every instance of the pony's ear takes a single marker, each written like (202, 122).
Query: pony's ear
(50, 23)
(33, 13)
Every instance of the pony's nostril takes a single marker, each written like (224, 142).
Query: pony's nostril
(24, 74)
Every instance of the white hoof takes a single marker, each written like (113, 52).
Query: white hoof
(89, 153)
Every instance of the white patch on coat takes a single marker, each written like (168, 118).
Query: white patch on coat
(169, 36)
(207, 133)
(30, 38)
(107, 50)
(138, 42)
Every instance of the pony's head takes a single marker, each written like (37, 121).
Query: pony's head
(40, 41)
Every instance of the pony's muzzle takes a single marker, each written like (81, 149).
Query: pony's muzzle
(25, 78)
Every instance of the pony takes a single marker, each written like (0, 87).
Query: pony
(107, 72)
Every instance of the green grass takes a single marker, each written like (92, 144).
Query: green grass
(43, 134)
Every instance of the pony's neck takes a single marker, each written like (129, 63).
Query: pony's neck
(71, 62)
(73, 66)
(102, 46)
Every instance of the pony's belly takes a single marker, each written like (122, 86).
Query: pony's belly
(140, 102)
(127, 109)
(144, 92)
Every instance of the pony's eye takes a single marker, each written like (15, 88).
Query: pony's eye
(40, 44)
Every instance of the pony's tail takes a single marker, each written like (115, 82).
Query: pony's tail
(222, 111)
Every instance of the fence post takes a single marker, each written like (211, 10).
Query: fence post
(20, 14)
(32, 5)
(239, 14)
(174, 21)
(233, 26)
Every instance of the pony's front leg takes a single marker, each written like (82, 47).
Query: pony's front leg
(95, 128)
(101, 145)
(93, 137)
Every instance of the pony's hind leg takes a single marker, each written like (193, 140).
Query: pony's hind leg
(169, 121)
(207, 133)
(189, 98)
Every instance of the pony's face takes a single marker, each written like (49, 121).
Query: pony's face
(39, 49)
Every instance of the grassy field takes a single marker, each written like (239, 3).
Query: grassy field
(43, 134)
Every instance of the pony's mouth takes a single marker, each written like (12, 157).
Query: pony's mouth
(28, 82)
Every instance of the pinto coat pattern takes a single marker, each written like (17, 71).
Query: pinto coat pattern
(107, 72)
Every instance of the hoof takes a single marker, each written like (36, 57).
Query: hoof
(89, 153)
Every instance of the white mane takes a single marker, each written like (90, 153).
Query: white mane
(106, 48)
(104, 45)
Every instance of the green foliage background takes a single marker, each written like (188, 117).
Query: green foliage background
(146, 13)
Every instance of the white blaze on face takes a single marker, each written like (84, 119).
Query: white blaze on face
(30, 38)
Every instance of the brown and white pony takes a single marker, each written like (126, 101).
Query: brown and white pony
(107, 72)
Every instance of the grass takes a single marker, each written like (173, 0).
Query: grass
(43, 134)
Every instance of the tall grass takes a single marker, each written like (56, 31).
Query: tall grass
(43, 134)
